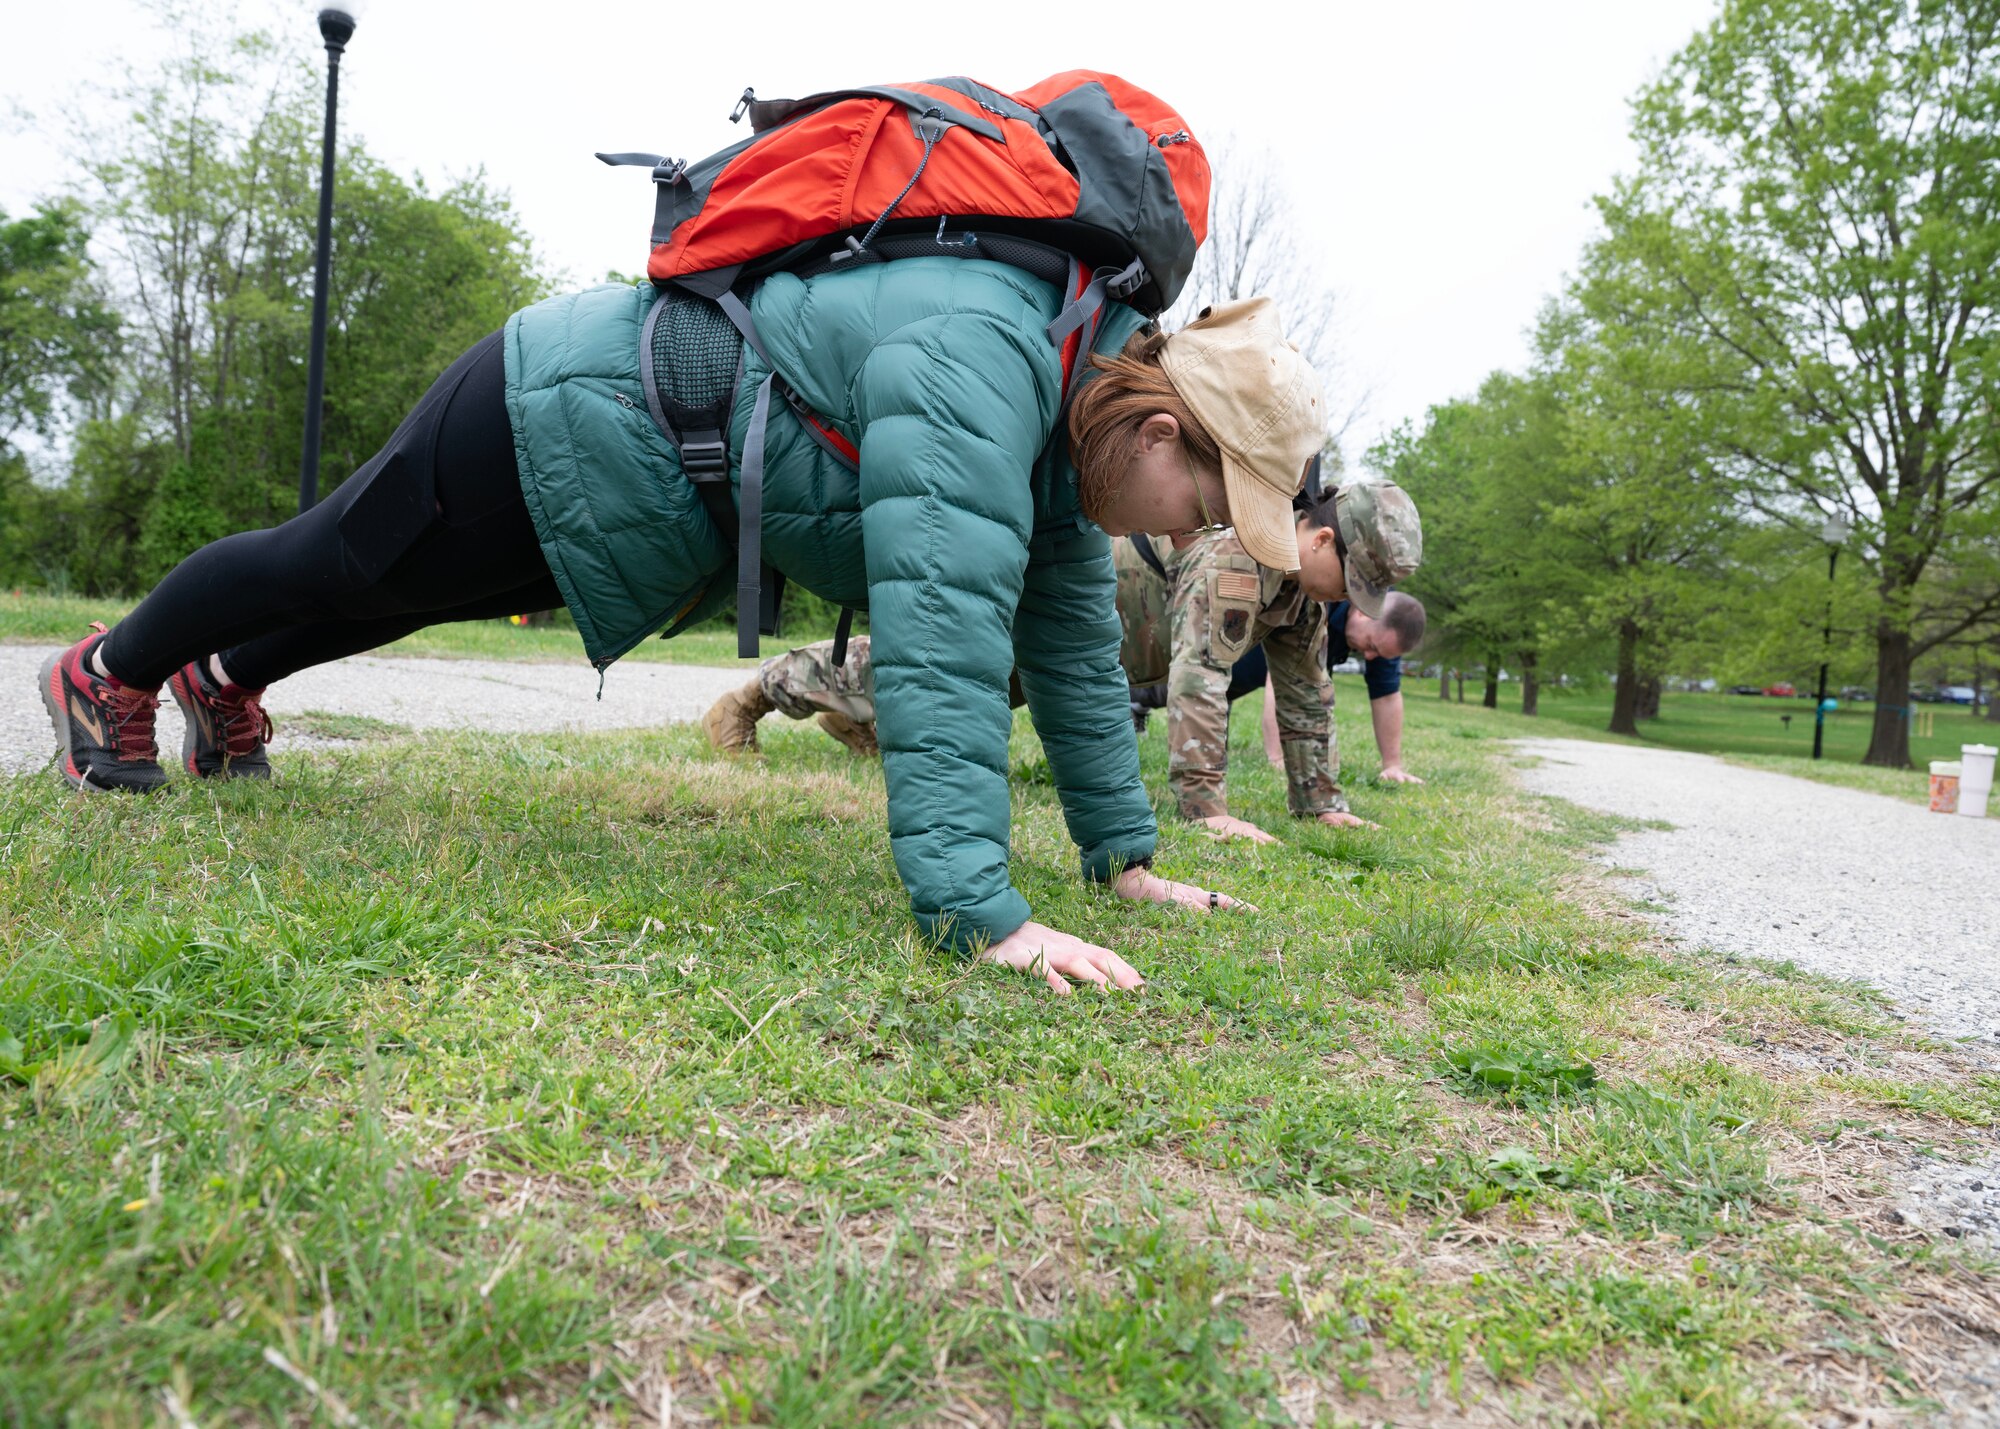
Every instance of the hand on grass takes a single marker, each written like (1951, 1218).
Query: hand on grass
(1140, 886)
(1341, 820)
(1041, 951)
(1226, 826)
(1396, 774)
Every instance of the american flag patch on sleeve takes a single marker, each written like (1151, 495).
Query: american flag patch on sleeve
(1236, 585)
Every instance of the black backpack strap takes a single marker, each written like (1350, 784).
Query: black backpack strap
(1144, 546)
(699, 433)
(760, 589)
(841, 631)
(670, 175)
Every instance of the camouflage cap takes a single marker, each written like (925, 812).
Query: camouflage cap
(1384, 539)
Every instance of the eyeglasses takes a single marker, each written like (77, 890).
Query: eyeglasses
(1201, 499)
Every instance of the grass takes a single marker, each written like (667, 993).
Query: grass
(324, 724)
(47, 619)
(1748, 730)
(589, 1080)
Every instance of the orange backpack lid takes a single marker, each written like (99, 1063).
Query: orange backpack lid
(1084, 162)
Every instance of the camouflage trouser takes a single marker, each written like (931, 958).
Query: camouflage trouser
(806, 682)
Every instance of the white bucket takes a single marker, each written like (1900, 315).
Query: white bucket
(1975, 779)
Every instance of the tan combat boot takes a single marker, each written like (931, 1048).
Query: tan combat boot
(858, 737)
(731, 722)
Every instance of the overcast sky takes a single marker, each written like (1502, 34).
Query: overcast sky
(1441, 154)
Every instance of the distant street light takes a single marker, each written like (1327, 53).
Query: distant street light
(336, 27)
(1834, 532)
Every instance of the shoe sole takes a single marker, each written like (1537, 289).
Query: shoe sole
(51, 683)
(182, 698)
(177, 685)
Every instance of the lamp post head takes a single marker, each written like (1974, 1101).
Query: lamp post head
(1834, 530)
(336, 26)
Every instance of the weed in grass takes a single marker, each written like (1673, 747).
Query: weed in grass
(320, 724)
(1420, 935)
(1524, 1073)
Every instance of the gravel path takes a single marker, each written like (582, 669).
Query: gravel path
(423, 694)
(1841, 882)
(1838, 881)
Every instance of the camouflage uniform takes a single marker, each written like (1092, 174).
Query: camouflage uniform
(1186, 631)
(804, 682)
(1189, 630)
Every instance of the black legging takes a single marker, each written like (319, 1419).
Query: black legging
(432, 529)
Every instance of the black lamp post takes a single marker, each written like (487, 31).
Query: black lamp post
(336, 27)
(1834, 532)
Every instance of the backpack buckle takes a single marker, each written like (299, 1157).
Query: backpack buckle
(669, 171)
(705, 460)
(1123, 285)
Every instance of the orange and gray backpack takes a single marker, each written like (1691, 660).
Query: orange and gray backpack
(1085, 181)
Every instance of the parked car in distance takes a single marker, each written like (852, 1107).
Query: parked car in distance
(1782, 689)
(1925, 695)
(1855, 692)
(1744, 690)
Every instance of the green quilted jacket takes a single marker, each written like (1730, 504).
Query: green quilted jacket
(960, 536)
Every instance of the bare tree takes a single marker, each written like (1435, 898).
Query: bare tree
(1254, 249)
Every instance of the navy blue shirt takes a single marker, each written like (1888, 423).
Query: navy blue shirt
(1383, 677)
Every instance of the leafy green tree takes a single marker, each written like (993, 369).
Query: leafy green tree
(58, 343)
(1644, 512)
(1483, 471)
(204, 196)
(57, 335)
(1819, 199)
(1574, 512)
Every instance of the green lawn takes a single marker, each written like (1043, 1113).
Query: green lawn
(1749, 729)
(46, 618)
(596, 1080)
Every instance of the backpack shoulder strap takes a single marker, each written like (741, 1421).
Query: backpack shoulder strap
(1143, 544)
(759, 588)
(696, 423)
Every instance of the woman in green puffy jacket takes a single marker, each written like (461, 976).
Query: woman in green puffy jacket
(532, 475)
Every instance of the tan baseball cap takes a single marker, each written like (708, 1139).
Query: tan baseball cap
(1261, 401)
(1384, 539)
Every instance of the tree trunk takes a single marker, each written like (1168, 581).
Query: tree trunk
(1625, 701)
(1492, 697)
(1649, 697)
(1531, 686)
(1459, 676)
(1889, 742)
(1444, 684)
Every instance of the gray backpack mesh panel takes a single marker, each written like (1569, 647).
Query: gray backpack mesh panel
(695, 350)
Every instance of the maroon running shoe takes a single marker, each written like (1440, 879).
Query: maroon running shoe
(226, 726)
(104, 728)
